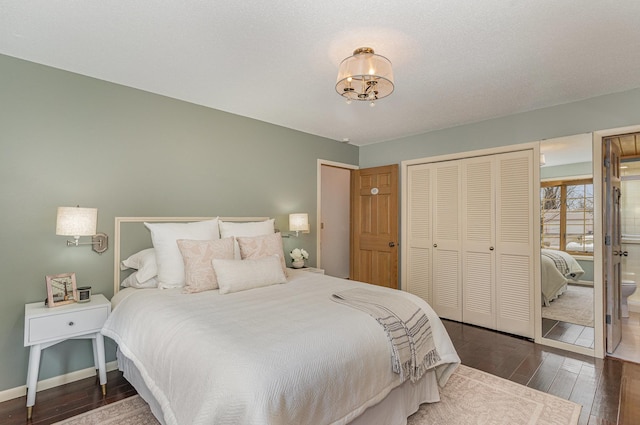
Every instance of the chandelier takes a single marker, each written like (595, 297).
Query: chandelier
(365, 76)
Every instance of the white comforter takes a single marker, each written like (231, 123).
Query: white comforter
(283, 354)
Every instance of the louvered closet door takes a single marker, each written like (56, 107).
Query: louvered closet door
(478, 244)
(419, 234)
(447, 282)
(515, 240)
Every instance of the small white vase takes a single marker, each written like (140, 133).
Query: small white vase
(297, 264)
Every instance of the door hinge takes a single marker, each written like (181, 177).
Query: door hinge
(608, 319)
(607, 240)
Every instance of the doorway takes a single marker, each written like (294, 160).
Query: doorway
(608, 290)
(334, 193)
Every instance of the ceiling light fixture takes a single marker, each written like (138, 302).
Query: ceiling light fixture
(365, 76)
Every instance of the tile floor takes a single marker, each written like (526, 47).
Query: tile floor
(629, 348)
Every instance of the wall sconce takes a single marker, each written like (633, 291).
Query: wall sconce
(298, 222)
(543, 160)
(76, 222)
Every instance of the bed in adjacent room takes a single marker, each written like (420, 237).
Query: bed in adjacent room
(558, 269)
(266, 345)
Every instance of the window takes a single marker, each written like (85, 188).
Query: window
(566, 216)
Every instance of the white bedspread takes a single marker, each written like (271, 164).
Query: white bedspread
(283, 354)
(554, 282)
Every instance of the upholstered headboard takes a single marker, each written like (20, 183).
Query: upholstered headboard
(123, 248)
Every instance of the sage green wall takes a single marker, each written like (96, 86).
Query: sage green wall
(66, 139)
(578, 169)
(598, 113)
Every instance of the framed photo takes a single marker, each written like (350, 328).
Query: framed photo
(61, 289)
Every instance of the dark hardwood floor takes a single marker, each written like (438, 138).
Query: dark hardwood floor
(602, 387)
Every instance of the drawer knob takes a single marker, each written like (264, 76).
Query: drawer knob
(71, 323)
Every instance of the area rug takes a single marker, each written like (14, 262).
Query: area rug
(470, 397)
(574, 306)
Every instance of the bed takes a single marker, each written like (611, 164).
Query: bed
(280, 353)
(558, 269)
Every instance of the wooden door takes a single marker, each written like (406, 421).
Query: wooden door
(612, 243)
(478, 241)
(374, 227)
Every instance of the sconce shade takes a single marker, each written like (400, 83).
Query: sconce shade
(76, 221)
(299, 222)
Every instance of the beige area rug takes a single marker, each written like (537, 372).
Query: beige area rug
(470, 397)
(574, 306)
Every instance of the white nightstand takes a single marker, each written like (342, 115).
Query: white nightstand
(44, 327)
(310, 270)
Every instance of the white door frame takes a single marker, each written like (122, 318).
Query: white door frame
(322, 162)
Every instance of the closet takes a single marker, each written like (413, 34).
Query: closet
(471, 241)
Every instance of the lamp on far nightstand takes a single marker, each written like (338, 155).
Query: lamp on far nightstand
(299, 222)
(76, 222)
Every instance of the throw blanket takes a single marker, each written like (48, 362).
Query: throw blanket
(564, 262)
(559, 261)
(407, 327)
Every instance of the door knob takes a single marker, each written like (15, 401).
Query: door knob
(624, 253)
(392, 244)
(435, 245)
(491, 248)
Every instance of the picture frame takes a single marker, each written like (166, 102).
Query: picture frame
(61, 289)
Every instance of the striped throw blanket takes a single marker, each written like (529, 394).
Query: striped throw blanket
(559, 261)
(406, 326)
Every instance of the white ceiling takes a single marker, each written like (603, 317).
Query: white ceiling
(454, 62)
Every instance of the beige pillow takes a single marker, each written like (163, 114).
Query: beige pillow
(255, 247)
(241, 275)
(197, 255)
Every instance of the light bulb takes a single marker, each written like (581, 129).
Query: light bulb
(348, 101)
(372, 104)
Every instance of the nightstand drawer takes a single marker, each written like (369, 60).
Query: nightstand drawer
(64, 325)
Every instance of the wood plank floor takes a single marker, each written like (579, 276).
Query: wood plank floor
(598, 385)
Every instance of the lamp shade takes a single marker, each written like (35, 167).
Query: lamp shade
(76, 221)
(365, 76)
(299, 222)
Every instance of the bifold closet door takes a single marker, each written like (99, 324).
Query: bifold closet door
(515, 240)
(478, 241)
(419, 234)
(434, 257)
(447, 255)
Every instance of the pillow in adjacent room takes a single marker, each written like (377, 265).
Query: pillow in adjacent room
(251, 228)
(144, 262)
(198, 268)
(262, 246)
(168, 257)
(235, 276)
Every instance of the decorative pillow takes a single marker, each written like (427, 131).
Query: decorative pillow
(145, 262)
(198, 269)
(251, 228)
(235, 276)
(168, 257)
(132, 281)
(262, 246)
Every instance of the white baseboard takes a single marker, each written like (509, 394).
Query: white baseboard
(56, 381)
(633, 305)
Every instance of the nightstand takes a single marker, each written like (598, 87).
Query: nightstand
(310, 270)
(45, 327)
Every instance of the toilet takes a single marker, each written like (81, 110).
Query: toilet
(628, 287)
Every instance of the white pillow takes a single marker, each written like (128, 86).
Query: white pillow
(133, 282)
(240, 275)
(144, 262)
(251, 228)
(168, 257)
